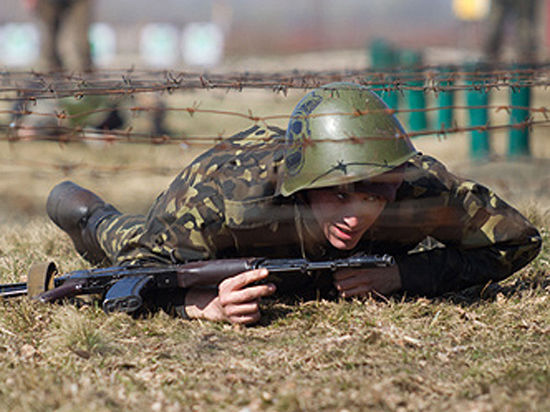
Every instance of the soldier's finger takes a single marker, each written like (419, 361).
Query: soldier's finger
(243, 279)
(249, 294)
(362, 290)
(242, 309)
(352, 282)
(345, 273)
(246, 319)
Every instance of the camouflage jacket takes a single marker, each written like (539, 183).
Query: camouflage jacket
(226, 204)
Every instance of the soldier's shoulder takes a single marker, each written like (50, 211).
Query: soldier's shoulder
(257, 134)
(426, 165)
(253, 141)
(259, 146)
(427, 175)
(425, 162)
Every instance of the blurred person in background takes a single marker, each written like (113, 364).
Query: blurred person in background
(522, 15)
(54, 16)
(35, 117)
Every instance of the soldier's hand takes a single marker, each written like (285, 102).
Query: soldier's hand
(239, 302)
(235, 300)
(363, 282)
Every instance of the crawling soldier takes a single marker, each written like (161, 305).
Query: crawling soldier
(343, 179)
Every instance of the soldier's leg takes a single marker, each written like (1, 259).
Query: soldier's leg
(79, 212)
(100, 233)
(527, 30)
(119, 237)
(103, 235)
(78, 18)
(49, 13)
(497, 17)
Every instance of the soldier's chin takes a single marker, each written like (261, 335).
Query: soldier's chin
(342, 244)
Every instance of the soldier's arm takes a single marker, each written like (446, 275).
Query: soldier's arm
(486, 240)
(363, 282)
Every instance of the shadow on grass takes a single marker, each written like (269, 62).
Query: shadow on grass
(275, 310)
(539, 281)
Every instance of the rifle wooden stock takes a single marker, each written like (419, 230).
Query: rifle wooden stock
(69, 289)
(211, 272)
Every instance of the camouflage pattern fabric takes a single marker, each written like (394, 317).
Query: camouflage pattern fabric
(226, 203)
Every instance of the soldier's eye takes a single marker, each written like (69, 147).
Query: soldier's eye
(341, 195)
(373, 198)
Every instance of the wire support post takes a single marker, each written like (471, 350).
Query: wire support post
(415, 94)
(477, 100)
(384, 59)
(445, 97)
(520, 101)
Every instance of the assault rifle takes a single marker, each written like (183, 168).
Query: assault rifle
(123, 288)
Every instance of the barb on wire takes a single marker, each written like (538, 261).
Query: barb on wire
(26, 85)
(249, 115)
(57, 123)
(71, 167)
(79, 134)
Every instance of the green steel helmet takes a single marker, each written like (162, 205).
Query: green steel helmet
(341, 133)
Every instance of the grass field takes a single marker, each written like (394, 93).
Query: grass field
(480, 350)
(484, 349)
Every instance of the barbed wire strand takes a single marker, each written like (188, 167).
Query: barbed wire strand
(29, 85)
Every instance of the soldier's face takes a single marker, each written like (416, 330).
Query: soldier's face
(344, 216)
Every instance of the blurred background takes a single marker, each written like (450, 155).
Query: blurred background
(80, 79)
(165, 33)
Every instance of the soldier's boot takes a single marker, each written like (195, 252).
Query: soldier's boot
(78, 212)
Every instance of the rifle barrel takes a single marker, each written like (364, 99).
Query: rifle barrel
(11, 290)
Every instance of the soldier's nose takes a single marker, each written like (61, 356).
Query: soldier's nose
(351, 221)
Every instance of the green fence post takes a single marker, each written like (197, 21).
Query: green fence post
(477, 99)
(412, 60)
(445, 99)
(520, 100)
(383, 58)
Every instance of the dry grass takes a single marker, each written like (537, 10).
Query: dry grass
(461, 352)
